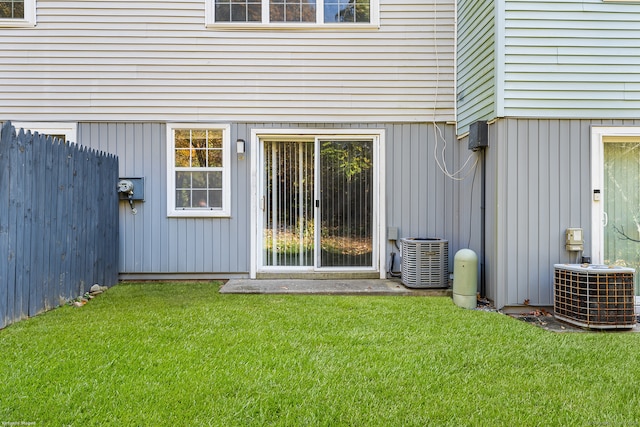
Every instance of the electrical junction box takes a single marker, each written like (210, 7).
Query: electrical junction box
(392, 233)
(574, 241)
(478, 135)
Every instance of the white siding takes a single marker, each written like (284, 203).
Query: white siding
(154, 60)
(572, 59)
(476, 62)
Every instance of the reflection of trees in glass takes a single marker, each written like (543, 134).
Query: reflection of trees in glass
(347, 168)
(238, 10)
(12, 9)
(347, 11)
(292, 11)
(346, 203)
(196, 149)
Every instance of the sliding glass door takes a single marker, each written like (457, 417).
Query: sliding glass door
(346, 203)
(316, 203)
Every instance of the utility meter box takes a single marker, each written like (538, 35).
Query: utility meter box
(574, 240)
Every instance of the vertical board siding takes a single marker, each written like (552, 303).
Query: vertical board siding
(58, 222)
(155, 60)
(419, 196)
(475, 62)
(572, 59)
(538, 185)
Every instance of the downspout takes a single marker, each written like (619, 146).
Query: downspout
(479, 141)
(483, 222)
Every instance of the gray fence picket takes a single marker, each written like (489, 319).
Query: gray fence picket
(5, 139)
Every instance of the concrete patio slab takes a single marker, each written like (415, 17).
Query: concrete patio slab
(327, 287)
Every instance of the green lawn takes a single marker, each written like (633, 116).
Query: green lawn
(184, 355)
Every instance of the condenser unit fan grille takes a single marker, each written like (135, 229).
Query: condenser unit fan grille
(594, 297)
(425, 263)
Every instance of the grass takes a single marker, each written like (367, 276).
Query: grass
(184, 355)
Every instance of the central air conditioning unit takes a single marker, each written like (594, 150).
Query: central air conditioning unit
(425, 262)
(594, 296)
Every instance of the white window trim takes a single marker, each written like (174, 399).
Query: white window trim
(68, 129)
(210, 22)
(598, 135)
(379, 211)
(29, 19)
(226, 173)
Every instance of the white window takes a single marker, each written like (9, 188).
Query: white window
(18, 13)
(292, 13)
(198, 163)
(65, 131)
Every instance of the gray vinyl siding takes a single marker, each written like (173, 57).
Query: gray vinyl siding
(475, 62)
(538, 185)
(419, 197)
(155, 60)
(572, 59)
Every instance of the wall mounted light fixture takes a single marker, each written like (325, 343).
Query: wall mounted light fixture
(240, 148)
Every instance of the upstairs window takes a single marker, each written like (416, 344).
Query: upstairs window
(288, 13)
(17, 13)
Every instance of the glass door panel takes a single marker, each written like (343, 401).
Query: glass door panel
(346, 203)
(288, 203)
(622, 205)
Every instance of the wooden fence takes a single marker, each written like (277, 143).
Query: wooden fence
(58, 222)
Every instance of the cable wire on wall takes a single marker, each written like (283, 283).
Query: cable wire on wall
(437, 132)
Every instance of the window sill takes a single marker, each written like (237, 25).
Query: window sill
(16, 23)
(198, 213)
(241, 26)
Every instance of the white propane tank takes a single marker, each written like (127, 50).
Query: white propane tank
(465, 279)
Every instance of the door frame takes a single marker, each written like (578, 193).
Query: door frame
(598, 136)
(379, 207)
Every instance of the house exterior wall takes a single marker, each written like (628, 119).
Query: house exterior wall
(571, 59)
(566, 59)
(152, 245)
(476, 71)
(538, 185)
(155, 61)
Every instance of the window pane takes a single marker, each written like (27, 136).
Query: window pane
(238, 10)
(12, 9)
(199, 179)
(215, 198)
(215, 179)
(239, 13)
(182, 138)
(183, 179)
(200, 199)
(223, 12)
(199, 159)
(292, 11)
(183, 199)
(254, 12)
(215, 158)
(214, 139)
(348, 11)
(276, 13)
(309, 12)
(199, 138)
(183, 158)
